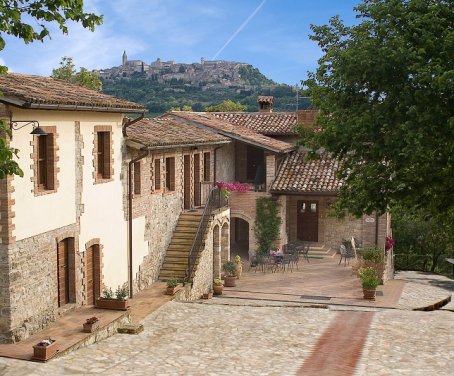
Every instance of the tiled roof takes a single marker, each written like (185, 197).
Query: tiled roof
(166, 132)
(236, 132)
(270, 123)
(46, 92)
(296, 175)
(265, 98)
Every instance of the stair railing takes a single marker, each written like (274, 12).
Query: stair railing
(215, 200)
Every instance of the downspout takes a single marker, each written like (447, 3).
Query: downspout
(141, 156)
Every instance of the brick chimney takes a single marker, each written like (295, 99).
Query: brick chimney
(307, 117)
(265, 103)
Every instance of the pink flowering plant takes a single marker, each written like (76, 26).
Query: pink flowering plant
(389, 243)
(92, 320)
(226, 187)
(46, 342)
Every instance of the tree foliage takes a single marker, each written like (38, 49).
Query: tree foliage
(267, 223)
(385, 91)
(227, 106)
(84, 77)
(8, 166)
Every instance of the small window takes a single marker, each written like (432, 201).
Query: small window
(45, 162)
(103, 155)
(170, 173)
(137, 179)
(303, 208)
(207, 166)
(313, 208)
(157, 174)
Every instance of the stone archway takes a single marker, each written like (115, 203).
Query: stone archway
(240, 237)
(216, 252)
(225, 242)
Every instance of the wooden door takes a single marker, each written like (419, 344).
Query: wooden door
(197, 180)
(307, 221)
(187, 181)
(93, 274)
(63, 272)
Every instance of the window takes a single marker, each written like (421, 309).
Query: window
(103, 164)
(206, 167)
(157, 174)
(137, 180)
(45, 162)
(170, 173)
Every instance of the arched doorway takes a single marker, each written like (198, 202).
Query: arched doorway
(239, 237)
(216, 253)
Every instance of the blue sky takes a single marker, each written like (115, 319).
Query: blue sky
(272, 35)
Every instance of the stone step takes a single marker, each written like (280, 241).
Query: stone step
(187, 241)
(183, 259)
(179, 247)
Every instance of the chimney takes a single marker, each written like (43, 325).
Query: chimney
(265, 103)
(307, 117)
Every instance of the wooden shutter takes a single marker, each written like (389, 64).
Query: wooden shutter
(42, 162)
(196, 179)
(207, 166)
(170, 173)
(157, 174)
(50, 170)
(106, 157)
(137, 178)
(63, 273)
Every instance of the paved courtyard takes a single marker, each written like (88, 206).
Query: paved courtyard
(212, 339)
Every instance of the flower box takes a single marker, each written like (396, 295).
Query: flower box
(121, 305)
(44, 352)
(170, 290)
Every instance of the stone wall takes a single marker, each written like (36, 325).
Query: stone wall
(204, 274)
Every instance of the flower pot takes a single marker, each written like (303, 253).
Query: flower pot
(44, 353)
(207, 295)
(170, 290)
(369, 294)
(121, 305)
(229, 281)
(90, 327)
(217, 289)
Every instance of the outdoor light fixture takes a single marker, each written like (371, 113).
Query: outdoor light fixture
(19, 124)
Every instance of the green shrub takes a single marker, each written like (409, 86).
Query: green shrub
(172, 282)
(229, 267)
(369, 278)
(374, 255)
(267, 223)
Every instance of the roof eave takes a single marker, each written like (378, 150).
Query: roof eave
(303, 193)
(139, 145)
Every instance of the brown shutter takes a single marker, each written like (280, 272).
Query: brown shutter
(50, 161)
(196, 179)
(206, 166)
(172, 174)
(62, 273)
(137, 179)
(157, 174)
(106, 157)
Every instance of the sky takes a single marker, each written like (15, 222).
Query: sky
(271, 35)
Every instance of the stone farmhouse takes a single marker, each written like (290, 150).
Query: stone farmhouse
(106, 200)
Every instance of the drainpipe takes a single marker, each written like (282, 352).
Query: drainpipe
(141, 156)
(130, 122)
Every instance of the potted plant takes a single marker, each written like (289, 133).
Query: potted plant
(172, 284)
(208, 295)
(91, 324)
(118, 301)
(218, 287)
(369, 282)
(374, 258)
(238, 266)
(229, 279)
(45, 349)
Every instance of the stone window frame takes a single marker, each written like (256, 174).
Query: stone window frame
(109, 159)
(52, 162)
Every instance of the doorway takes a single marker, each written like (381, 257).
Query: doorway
(239, 238)
(187, 181)
(93, 273)
(65, 271)
(307, 221)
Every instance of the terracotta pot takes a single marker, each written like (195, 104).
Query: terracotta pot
(369, 294)
(90, 328)
(217, 289)
(208, 295)
(44, 353)
(170, 290)
(121, 305)
(229, 281)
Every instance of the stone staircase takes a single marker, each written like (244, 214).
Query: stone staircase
(176, 258)
(321, 251)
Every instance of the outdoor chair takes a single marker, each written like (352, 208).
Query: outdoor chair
(346, 252)
(304, 250)
(284, 261)
(295, 258)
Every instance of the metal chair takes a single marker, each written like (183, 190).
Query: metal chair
(346, 252)
(304, 250)
(282, 261)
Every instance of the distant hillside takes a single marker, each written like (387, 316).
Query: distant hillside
(163, 85)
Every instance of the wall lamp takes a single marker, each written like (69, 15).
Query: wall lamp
(19, 124)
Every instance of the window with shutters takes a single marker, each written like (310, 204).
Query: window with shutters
(44, 162)
(206, 166)
(137, 178)
(103, 161)
(157, 174)
(170, 173)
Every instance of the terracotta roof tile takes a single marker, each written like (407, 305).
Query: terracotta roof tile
(237, 132)
(272, 123)
(166, 132)
(296, 175)
(32, 91)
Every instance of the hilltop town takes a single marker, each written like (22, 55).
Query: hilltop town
(208, 74)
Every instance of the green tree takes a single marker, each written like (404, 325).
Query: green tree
(385, 92)
(40, 13)
(267, 223)
(226, 106)
(84, 77)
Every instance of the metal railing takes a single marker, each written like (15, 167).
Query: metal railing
(215, 200)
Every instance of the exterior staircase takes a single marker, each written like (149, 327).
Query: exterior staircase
(321, 251)
(176, 258)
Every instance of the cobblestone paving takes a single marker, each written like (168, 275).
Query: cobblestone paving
(409, 343)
